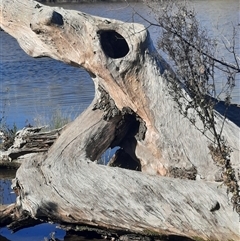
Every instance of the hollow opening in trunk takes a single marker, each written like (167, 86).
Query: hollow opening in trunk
(113, 44)
(125, 158)
(117, 148)
(107, 155)
(126, 136)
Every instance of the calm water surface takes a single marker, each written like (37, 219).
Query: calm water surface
(32, 89)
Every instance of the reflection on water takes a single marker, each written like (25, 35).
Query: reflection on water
(6, 194)
(37, 233)
(40, 232)
(7, 173)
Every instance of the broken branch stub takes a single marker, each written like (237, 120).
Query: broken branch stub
(132, 109)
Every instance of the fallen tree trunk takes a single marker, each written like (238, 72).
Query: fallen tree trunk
(132, 109)
(27, 142)
(125, 201)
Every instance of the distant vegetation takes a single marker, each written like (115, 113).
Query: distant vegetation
(55, 120)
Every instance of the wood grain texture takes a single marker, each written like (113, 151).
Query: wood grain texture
(132, 109)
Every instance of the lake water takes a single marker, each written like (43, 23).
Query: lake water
(31, 90)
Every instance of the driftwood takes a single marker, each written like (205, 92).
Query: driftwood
(28, 142)
(132, 109)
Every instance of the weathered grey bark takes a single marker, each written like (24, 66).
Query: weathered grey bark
(28, 142)
(132, 109)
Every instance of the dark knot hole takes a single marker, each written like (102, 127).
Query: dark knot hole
(113, 44)
(57, 18)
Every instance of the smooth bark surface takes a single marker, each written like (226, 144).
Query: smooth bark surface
(132, 109)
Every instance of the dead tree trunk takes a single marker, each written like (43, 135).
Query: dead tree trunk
(132, 109)
(28, 142)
